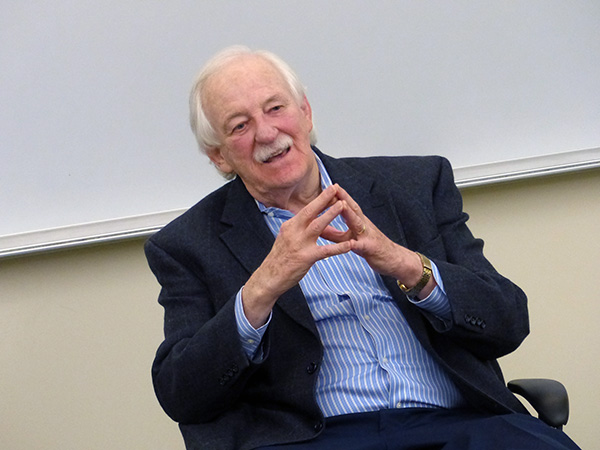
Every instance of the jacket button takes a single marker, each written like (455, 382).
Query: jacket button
(312, 368)
(318, 426)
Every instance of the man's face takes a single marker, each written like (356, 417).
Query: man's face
(264, 132)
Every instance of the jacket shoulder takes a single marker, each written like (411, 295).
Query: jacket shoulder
(405, 165)
(198, 217)
(408, 172)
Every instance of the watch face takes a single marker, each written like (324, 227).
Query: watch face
(425, 277)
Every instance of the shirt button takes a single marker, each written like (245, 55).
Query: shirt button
(271, 214)
(250, 341)
(367, 317)
(384, 360)
(398, 405)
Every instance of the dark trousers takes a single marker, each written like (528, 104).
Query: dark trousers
(421, 429)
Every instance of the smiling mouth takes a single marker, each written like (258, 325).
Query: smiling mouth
(277, 155)
(273, 151)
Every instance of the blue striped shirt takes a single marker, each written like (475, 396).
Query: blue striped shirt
(372, 360)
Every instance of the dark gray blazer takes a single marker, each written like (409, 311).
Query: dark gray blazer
(201, 375)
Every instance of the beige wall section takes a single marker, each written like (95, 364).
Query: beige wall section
(544, 234)
(79, 328)
(78, 332)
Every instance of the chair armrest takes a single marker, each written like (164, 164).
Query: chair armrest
(548, 397)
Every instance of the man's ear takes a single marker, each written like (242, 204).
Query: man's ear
(216, 156)
(307, 110)
(305, 106)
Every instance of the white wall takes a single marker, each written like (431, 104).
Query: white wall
(93, 95)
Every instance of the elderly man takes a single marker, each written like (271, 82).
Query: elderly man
(321, 303)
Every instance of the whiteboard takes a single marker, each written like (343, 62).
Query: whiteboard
(93, 95)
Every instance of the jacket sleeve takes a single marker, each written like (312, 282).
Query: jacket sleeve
(489, 312)
(200, 369)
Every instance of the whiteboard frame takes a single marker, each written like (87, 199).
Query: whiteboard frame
(142, 226)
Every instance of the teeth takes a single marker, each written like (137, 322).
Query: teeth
(280, 152)
(265, 154)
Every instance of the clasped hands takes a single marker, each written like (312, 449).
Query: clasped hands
(295, 251)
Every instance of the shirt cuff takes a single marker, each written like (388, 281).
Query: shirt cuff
(250, 337)
(437, 302)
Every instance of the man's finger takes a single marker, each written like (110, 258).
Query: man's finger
(334, 235)
(324, 200)
(357, 223)
(325, 251)
(343, 195)
(320, 223)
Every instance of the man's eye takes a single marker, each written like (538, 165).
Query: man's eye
(239, 127)
(276, 108)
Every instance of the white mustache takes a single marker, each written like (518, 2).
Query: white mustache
(263, 153)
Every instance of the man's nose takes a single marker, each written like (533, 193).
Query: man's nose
(266, 132)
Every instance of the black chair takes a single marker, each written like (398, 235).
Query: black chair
(548, 397)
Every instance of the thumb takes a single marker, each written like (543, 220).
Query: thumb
(334, 235)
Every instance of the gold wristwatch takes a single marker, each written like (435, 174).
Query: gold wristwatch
(425, 277)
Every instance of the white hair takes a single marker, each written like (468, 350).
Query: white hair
(201, 127)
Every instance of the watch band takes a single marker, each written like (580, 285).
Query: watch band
(425, 277)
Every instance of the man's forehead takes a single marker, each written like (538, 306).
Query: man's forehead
(244, 70)
(242, 77)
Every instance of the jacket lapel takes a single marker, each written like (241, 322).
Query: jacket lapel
(250, 240)
(248, 237)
